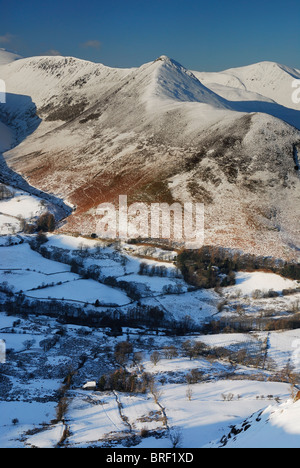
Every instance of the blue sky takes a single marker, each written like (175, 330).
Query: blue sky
(202, 35)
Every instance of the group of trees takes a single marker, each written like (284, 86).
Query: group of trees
(121, 380)
(142, 315)
(158, 270)
(66, 312)
(5, 192)
(204, 268)
(193, 349)
(44, 223)
(210, 267)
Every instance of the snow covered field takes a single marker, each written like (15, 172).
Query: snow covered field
(207, 414)
(195, 397)
(94, 418)
(83, 291)
(248, 283)
(26, 270)
(21, 207)
(21, 257)
(28, 415)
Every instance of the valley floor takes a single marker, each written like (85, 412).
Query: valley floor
(72, 378)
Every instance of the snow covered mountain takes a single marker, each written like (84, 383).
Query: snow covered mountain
(160, 133)
(262, 87)
(265, 80)
(7, 57)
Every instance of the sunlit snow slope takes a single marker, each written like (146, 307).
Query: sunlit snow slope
(274, 427)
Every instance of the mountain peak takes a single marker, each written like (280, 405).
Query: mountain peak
(163, 58)
(171, 62)
(173, 81)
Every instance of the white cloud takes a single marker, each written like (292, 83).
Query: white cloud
(93, 44)
(7, 38)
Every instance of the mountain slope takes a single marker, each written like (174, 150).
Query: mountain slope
(7, 57)
(89, 133)
(6, 138)
(60, 88)
(274, 427)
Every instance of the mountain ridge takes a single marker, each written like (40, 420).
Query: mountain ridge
(156, 133)
(271, 80)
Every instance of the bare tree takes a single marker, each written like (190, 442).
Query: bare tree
(176, 437)
(155, 358)
(170, 352)
(156, 392)
(189, 393)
